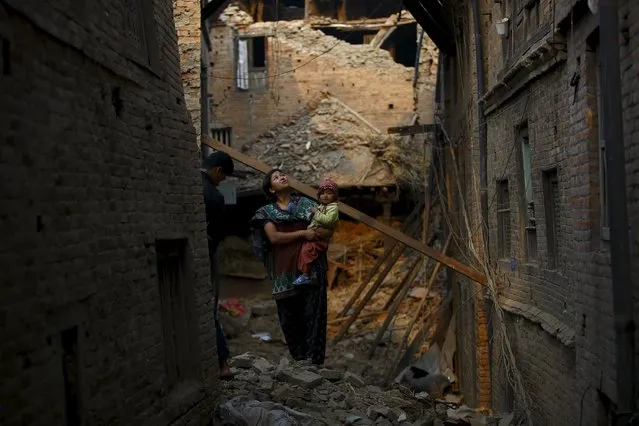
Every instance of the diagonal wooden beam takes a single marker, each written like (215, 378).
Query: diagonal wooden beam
(380, 262)
(393, 233)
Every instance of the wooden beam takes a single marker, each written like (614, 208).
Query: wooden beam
(307, 190)
(395, 301)
(361, 317)
(373, 289)
(381, 261)
(411, 130)
(420, 308)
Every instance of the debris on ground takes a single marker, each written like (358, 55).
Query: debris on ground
(352, 387)
(286, 392)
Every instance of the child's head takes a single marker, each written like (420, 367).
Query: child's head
(327, 192)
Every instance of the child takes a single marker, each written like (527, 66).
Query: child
(325, 216)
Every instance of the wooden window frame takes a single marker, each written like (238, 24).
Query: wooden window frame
(504, 220)
(254, 73)
(550, 177)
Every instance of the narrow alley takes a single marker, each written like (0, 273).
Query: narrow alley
(484, 159)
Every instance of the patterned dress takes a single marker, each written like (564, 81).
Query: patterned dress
(301, 309)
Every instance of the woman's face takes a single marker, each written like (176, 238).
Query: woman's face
(279, 181)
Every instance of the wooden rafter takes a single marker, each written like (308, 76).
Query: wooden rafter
(393, 233)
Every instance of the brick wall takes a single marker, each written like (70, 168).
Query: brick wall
(427, 78)
(302, 63)
(98, 161)
(188, 26)
(559, 316)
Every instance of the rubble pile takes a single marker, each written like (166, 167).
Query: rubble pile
(327, 140)
(300, 36)
(298, 393)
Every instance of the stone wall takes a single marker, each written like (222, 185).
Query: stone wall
(98, 162)
(301, 64)
(558, 302)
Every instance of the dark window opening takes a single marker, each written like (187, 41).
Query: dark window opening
(177, 307)
(294, 3)
(532, 18)
(402, 44)
(529, 203)
(251, 65)
(327, 9)
(222, 134)
(70, 374)
(507, 41)
(349, 36)
(291, 10)
(258, 52)
(366, 9)
(603, 171)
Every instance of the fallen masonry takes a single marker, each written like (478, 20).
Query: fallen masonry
(298, 393)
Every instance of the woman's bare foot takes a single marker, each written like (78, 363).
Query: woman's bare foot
(225, 371)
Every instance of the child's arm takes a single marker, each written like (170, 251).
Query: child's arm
(328, 217)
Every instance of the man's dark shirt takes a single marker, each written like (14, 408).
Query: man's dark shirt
(214, 206)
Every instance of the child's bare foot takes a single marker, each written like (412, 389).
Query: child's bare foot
(225, 371)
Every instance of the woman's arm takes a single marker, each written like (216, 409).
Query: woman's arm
(277, 237)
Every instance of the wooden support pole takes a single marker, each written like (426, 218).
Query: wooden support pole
(361, 317)
(405, 226)
(387, 220)
(396, 301)
(398, 288)
(370, 293)
(421, 336)
(310, 192)
(418, 311)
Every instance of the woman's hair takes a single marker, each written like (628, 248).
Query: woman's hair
(266, 184)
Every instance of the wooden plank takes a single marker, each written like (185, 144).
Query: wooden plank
(361, 317)
(381, 261)
(396, 301)
(397, 289)
(411, 130)
(417, 313)
(359, 117)
(331, 274)
(310, 192)
(371, 291)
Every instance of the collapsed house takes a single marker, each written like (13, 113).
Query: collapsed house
(274, 69)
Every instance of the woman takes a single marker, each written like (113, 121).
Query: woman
(279, 228)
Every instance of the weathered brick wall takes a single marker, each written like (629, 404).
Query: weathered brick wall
(559, 319)
(98, 160)
(494, 44)
(426, 80)
(188, 25)
(302, 63)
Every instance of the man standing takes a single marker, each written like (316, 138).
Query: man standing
(215, 168)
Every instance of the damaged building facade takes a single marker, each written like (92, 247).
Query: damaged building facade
(313, 87)
(104, 301)
(544, 344)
